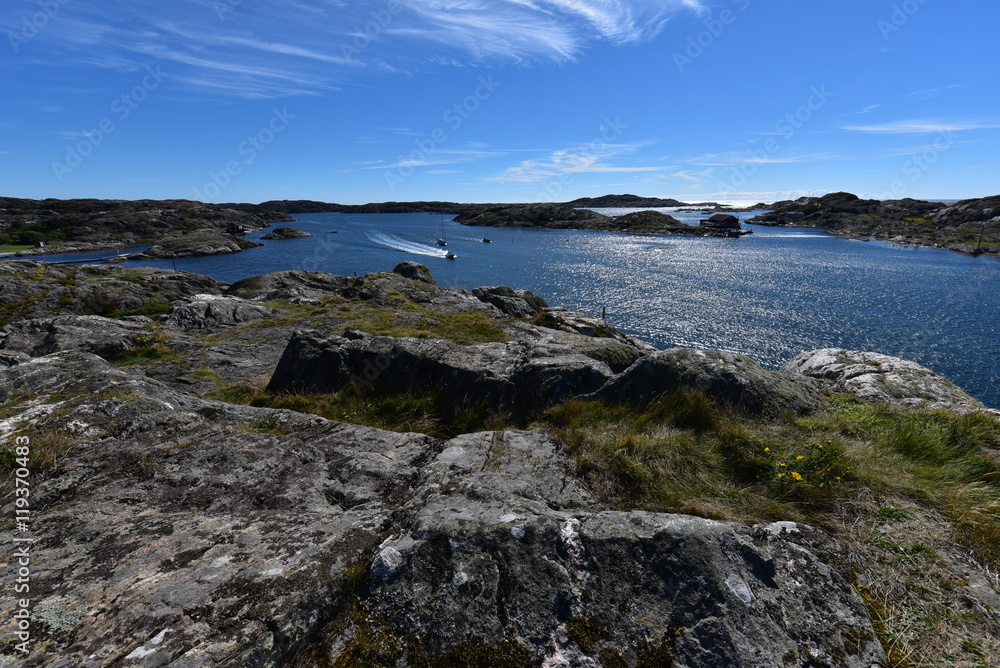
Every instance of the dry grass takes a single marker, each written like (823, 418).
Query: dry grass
(912, 496)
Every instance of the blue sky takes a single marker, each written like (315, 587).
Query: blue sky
(499, 101)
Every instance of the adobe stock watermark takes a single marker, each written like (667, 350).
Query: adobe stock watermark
(610, 131)
(35, 22)
(371, 30)
(20, 558)
(249, 148)
(454, 116)
(121, 107)
(785, 128)
(714, 28)
(901, 15)
(917, 165)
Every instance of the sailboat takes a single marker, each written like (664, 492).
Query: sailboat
(441, 240)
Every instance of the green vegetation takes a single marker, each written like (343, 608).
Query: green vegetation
(269, 425)
(296, 314)
(433, 413)
(685, 452)
(897, 487)
(401, 316)
(13, 248)
(17, 309)
(146, 355)
(406, 317)
(873, 476)
(45, 447)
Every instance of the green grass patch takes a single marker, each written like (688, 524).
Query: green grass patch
(13, 248)
(17, 309)
(406, 318)
(296, 314)
(152, 353)
(268, 425)
(45, 448)
(834, 469)
(432, 413)
(687, 453)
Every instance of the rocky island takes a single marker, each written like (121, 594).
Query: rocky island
(181, 228)
(304, 469)
(969, 226)
(198, 243)
(285, 233)
(555, 216)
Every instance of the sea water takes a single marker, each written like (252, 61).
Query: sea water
(769, 295)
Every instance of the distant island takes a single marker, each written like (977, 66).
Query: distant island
(566, 217)
(180, 228)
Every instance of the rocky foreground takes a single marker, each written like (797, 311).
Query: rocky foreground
(172, 528)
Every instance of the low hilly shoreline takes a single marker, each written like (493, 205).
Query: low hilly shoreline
(180, 228)
(968, 226)
(301, 468)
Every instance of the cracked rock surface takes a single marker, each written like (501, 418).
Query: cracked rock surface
(178, 531)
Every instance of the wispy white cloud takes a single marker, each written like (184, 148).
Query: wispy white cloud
(923, 148)
(762, 196)
(736, 158)
(577, 160)
(696, 177)
(278, 48)
(438, 157)
(917, 127)
(862, 111)
(921, 95)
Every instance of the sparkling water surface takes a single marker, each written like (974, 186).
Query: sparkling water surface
(769, 295)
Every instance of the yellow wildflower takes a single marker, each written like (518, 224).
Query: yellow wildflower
(800, 457)
(796, 475)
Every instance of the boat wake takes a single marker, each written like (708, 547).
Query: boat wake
(392, 241)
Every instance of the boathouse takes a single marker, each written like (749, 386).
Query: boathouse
(722, 221)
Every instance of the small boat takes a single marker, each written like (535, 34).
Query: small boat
(441, 240)
(450, 256)
(485, 240)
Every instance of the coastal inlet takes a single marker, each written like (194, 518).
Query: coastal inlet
(768, 295)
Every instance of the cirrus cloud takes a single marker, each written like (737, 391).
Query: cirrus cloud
(276, 49)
